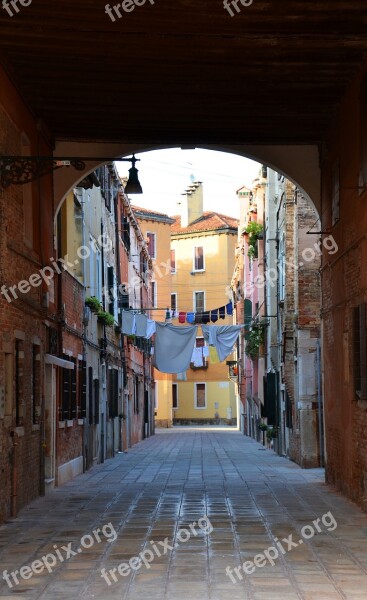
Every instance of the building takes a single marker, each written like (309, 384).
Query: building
(250, 309)
(203, 256)
(293, 351)
(277, 294)
(156, 228)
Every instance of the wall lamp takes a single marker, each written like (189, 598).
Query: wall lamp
(20, 170)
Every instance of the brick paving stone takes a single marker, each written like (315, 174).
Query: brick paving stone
(253, 498)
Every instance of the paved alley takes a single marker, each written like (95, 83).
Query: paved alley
(150, 504)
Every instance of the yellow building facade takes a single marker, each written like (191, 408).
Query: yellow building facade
(203, 257)
(156, 228)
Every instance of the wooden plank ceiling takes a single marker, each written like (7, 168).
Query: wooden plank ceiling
(184, 71)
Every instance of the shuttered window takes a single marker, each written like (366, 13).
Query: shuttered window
(360, 350)
(200, 395)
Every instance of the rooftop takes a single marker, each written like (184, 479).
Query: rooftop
(209, 221)
(145, 213)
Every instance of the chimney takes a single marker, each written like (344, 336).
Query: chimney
(192, 204)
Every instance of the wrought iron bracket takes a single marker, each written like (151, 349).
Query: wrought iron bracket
(20, 170)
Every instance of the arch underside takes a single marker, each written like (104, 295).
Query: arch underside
(299, 163)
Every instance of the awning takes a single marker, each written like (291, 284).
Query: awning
(58, 362)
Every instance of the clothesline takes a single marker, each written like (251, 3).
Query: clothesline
(174, 344)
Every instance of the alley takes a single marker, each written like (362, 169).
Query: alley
(252, 498)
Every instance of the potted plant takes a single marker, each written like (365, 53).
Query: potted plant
(254, 231)
(263, 427)
(93, 303)
(106, 318)
(256, 340)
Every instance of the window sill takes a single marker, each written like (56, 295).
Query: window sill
(69, 423)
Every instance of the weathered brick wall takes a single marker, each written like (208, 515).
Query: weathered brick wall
(21, 318)
(302, 322)
(70, 439)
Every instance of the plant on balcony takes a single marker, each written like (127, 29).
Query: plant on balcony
(254, 231)
(93, 303)
(263, 427)
(106, 318)
(256, 339)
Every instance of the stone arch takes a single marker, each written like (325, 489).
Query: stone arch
(300, 164)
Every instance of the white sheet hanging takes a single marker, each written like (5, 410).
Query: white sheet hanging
(223, 337)
(173, 347)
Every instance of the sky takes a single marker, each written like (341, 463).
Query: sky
(165, 175)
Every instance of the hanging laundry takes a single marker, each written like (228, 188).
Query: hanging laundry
(151, 328)
(173, 347)
(214, 315)
(223, 337)
(141, 325)
(206, 317)
(190, 317)
(181, 317)
(197, 357)
(206, 352)
(128, 322)
(181, 376)
(214, 358)
(199, 317)
(229, 309)
(222, 312)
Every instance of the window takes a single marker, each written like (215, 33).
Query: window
(360, 350)
(200, 343)
(112, 292)
(125, 232)
(68, 407)
(173, 261)
(335, 193)
(199, 301)
(153, 288)
(90, 396)
(9, 384)
(174, 302)
(136, 395)
(96, 401)
(200, 395)
(174, 396)
(151, 244)
(36, 384)
(19, 360)
(199, 258)
(113, 392)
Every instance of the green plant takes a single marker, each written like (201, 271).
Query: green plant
(256, 338)
(263, 427)
(106, 317)
(93, 303)
(254, 231)
(272, 434)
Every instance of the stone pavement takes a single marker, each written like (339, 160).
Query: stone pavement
(253, 498)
